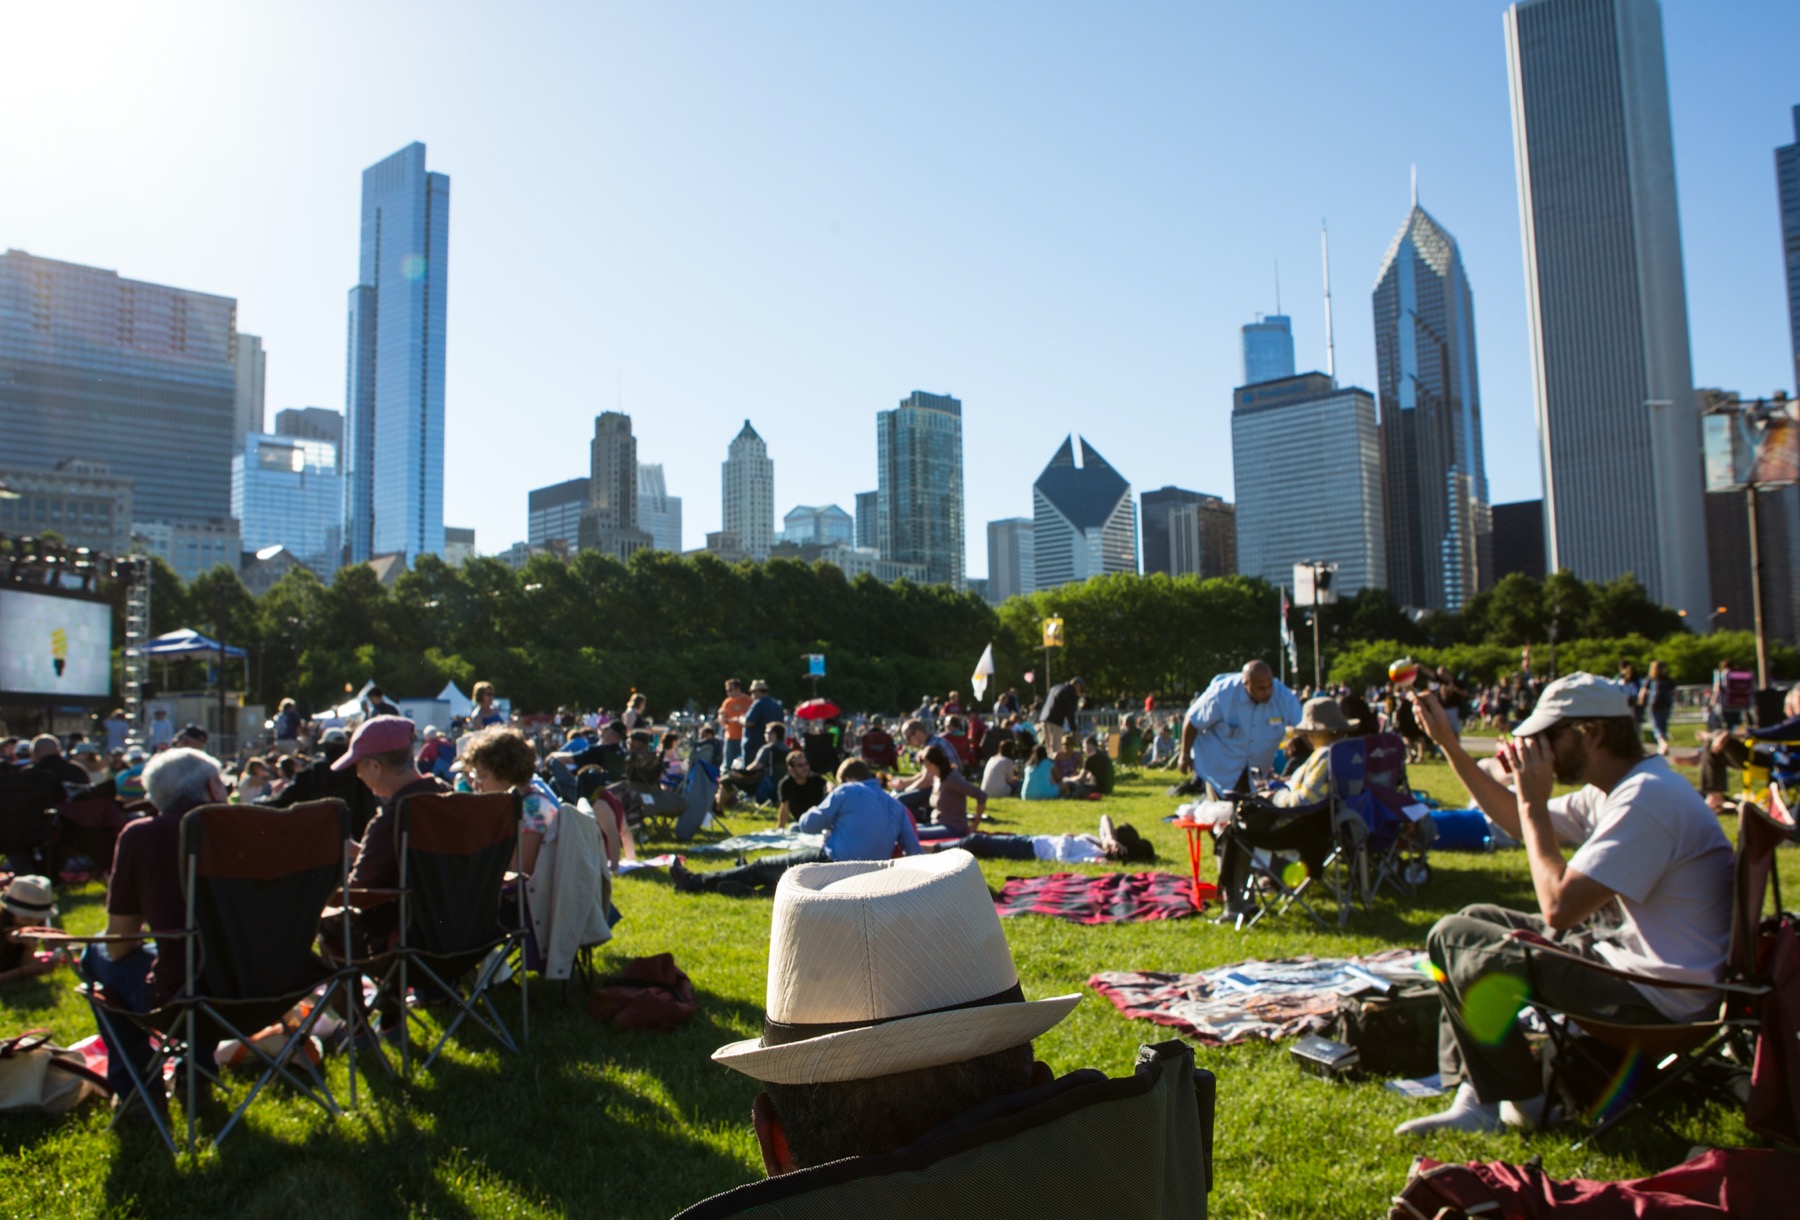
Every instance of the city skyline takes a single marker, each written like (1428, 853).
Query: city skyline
(1057, 276)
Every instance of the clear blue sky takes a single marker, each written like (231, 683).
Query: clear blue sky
(799, 213)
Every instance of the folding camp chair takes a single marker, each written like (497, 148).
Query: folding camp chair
(1675, 1049)
(26, 797)
(254, 880)
(454, 851)
(1328, 838)
(1126, 755)
(683, 812)
(89, 827)
(1398, 844)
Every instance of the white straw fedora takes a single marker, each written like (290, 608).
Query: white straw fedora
(877, 968)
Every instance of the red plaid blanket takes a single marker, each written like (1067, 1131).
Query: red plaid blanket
(1099, 898)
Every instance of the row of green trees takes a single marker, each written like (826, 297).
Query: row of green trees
(593, 630)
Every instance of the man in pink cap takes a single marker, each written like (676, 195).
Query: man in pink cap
(381, 756)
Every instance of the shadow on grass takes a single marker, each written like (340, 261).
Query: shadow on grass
(586, 1119)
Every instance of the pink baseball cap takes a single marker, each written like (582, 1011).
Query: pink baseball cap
(376, 735)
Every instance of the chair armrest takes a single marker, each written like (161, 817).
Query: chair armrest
(1535, 943)
(58, 936)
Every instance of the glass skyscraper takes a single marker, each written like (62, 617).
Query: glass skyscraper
(1334, 515)
(393, 456)
(285, 491)
(141, 377)
(1606, 303)
(1268, 348)
(1787, 181)
(919, 503)
(1439, 533)
(1083, 520)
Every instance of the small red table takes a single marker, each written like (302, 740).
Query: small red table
(1196, 836)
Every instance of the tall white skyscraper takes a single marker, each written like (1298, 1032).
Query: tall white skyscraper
(749, 493)
(248, 404)
(393, 455)
(1012, 558)
(659, 513)
(1083, 520)
(1335, 513)
(1607, 305)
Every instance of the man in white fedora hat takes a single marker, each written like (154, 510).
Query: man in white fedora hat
(1648, 849)
(899, 1077)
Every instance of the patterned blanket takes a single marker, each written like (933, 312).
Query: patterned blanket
(757, 840)
(1090, 898)
(1267, 1000)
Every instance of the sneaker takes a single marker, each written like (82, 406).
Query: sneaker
(683, 878)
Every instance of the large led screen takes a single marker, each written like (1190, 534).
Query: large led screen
(54, 646)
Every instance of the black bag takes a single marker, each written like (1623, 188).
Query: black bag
(1396, 1034)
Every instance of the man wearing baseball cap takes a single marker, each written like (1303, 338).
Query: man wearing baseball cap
(1646, 847)
(898, 1073)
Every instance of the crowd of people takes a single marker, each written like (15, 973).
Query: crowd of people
(899, 814)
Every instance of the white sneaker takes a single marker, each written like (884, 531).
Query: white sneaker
(1530, 1114)
(1466, 1113)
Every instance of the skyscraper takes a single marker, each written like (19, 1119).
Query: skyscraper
(1203, 538)
(1012, 558)
(818, 525)
(1605, 299)
(1154, 508)
(919, 507)
(247, 408)
(659, 513)
(1787, 182)
(286, 491)
(609, 523)
(1334, 514)
(311, 424)
(749, 493)
(553, 513)
(1439, 531)
(87, 357)
(1268, 348)
(1083, 521)
(868, 520)
(393, 456)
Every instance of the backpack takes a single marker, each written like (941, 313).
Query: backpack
(1395, 1035)
(37, 1074)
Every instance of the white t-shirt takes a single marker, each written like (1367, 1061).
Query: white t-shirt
(1068, 849)
(997, 777)
(1656, 845)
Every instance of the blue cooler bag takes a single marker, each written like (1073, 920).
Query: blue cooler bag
(1461, 830)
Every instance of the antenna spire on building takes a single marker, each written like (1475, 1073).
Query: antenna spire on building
(1415, 184)
(1277, 286)
(1330, 345)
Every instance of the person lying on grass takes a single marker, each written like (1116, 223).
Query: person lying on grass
(1121, 846)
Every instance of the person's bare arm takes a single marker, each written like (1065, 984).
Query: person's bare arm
(124, 925)
(1184, 759)
(1495, 799)
(1566, 896)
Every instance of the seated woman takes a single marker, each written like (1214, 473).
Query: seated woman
(501, 760)
(1124, 845)
(1040, 782)
(950, 794)
(27, 902)
(999, 778)
(673, 768)
(1322, 722)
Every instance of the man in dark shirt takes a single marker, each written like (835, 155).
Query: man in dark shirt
(47, 755)
(765, 710)
(1058, 717)
(1096, 767)
(145, 892)
(800, 790)
(608, 755)
(379, 705)
(317, 781)
(381, 756)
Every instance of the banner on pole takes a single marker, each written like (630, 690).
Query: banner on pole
(984, 670)
(1053, 633)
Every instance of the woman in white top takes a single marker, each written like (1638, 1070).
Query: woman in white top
(999, 779)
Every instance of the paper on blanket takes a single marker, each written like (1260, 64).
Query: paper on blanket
(1415, 811)
(662, 861)
(1425, 1086)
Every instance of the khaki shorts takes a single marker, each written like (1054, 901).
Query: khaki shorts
(1050, 736)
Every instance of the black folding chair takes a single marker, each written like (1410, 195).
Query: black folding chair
(454, 851)
(26, 796)
(254, 880)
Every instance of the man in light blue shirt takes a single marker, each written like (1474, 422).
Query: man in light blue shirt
(859, 819)
(1237, 723)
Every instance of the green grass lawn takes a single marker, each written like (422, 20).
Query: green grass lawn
(592, 1122)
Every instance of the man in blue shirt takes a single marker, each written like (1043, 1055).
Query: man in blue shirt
(859, 819)
(1236, 724)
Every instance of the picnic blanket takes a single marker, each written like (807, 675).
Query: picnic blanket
(757, 840)
(1295, 995)
(1090, 898)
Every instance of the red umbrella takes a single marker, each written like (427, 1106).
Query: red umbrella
(816, 709)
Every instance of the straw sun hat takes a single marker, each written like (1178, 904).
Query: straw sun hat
(877, 968)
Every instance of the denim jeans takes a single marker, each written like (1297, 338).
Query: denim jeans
(734, 751)
(127, 981)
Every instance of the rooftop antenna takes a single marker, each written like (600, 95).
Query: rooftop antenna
(1277, 286)
(1330, 345)
(1415, 183)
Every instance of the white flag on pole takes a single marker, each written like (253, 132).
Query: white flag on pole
(984, 669)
